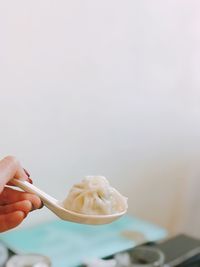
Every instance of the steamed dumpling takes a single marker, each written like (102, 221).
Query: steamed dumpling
(95, 196)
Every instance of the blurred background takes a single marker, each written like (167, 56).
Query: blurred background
(110, 88)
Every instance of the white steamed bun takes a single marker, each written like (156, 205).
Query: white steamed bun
(94, 196)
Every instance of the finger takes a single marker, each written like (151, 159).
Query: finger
(10, 168)
(11, 220)
(24, 205)
(9, 196)
(29, 180)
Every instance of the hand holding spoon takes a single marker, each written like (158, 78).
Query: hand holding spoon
(57, 207)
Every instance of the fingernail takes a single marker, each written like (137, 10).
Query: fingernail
(27, 173)
(30, 180)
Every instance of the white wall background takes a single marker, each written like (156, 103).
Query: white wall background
(105, 87)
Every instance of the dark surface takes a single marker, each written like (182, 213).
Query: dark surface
(180, 247)
(193, 262)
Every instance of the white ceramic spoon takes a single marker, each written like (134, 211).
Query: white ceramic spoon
(57, 207)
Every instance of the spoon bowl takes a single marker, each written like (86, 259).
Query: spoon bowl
(57, 207)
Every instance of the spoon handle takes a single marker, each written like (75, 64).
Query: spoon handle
(26, 186)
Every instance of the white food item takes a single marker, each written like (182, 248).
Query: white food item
(94, 196)
(101, 263)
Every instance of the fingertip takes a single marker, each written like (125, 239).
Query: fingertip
(35, 200)
(27, 206)
(20, 214)
(38, 203)
(17, 217)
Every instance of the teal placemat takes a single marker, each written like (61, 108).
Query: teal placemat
(68, 244)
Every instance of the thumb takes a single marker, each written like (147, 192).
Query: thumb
(10, 168)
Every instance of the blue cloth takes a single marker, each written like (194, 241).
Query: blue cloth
(68, 244)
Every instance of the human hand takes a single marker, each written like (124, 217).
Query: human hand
(14, 204)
